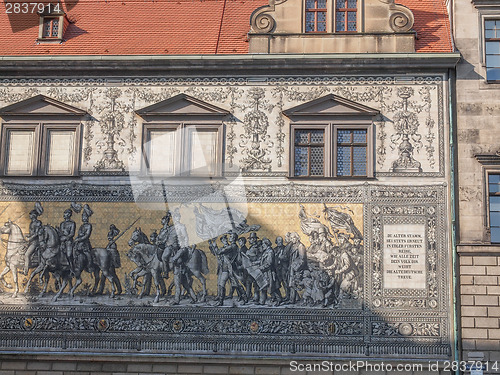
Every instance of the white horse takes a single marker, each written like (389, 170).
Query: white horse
(14, 257)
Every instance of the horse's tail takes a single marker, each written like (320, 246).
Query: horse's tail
(204, 262)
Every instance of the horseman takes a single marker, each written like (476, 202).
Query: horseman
(32, 237)
(67, 231)
(167, 242)
(82, 241)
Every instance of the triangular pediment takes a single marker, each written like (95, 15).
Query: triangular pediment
(41, 105)
(182, 105)
(331, 105)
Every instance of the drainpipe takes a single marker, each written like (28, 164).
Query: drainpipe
(454, 213)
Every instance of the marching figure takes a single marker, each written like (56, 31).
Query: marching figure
(82, 241)
(32, 237)
(67, 231)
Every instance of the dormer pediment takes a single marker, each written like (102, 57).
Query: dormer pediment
(330, 106)
(182, 105)
(41, 105)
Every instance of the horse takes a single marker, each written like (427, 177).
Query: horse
(100, 265)
(148, 264)
(51, 261)
(14, 257)
(197, 263)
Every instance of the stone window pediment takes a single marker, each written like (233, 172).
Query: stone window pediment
(331, 137)
(183, 136)
(40, 137)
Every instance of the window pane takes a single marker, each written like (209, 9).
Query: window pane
(21, 147)
(359, 136)
(492, 61)
(489, 24)
(494, 188)
(495, 234)
(344, 136)
(340, 21)
(302, 136)
(61, 152)
(321, 4)
(162, 149)
(351, 4)
(301, 167)
(489, 34)
(359, 161)
(494, 204)
(321, 17)
(494, 178)
(351, 18)
(317, 136)
(493, 47)
(340, 4)
(202, 149)
(310, 4)
(321, 26)
(493, 74)
(317, 161)
(343, 161)
(55, 27)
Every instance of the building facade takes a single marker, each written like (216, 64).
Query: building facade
(241, 189)
(477, 165)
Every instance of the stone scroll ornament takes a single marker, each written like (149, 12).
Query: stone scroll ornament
(406, 126)
(401, 18)
(261, 21)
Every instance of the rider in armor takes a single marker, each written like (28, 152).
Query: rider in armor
(82, 241)
(67, 231)
(32, 237)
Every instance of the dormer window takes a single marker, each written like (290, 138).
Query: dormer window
(53, 23)
(315, 16)
(50, 27)
(345, 15)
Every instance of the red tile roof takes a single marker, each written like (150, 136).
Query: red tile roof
(176, 27)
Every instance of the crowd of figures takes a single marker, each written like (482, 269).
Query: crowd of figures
(257, 270)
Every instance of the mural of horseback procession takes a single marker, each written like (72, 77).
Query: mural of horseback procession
(250, 270)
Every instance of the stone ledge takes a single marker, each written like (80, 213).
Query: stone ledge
(478, 249)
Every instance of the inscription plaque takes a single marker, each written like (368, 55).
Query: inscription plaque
(404, 256)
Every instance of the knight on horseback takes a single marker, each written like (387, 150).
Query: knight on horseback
(32, 237)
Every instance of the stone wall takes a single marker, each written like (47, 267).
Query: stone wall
(477, 134)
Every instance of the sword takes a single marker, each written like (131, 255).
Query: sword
(122, 233)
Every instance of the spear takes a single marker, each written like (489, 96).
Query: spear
(5, 209)
(122, 233)
(17, 218)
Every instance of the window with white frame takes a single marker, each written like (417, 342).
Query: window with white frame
(42, 149)
(183, 149)
(494, 206)
(492, 49)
